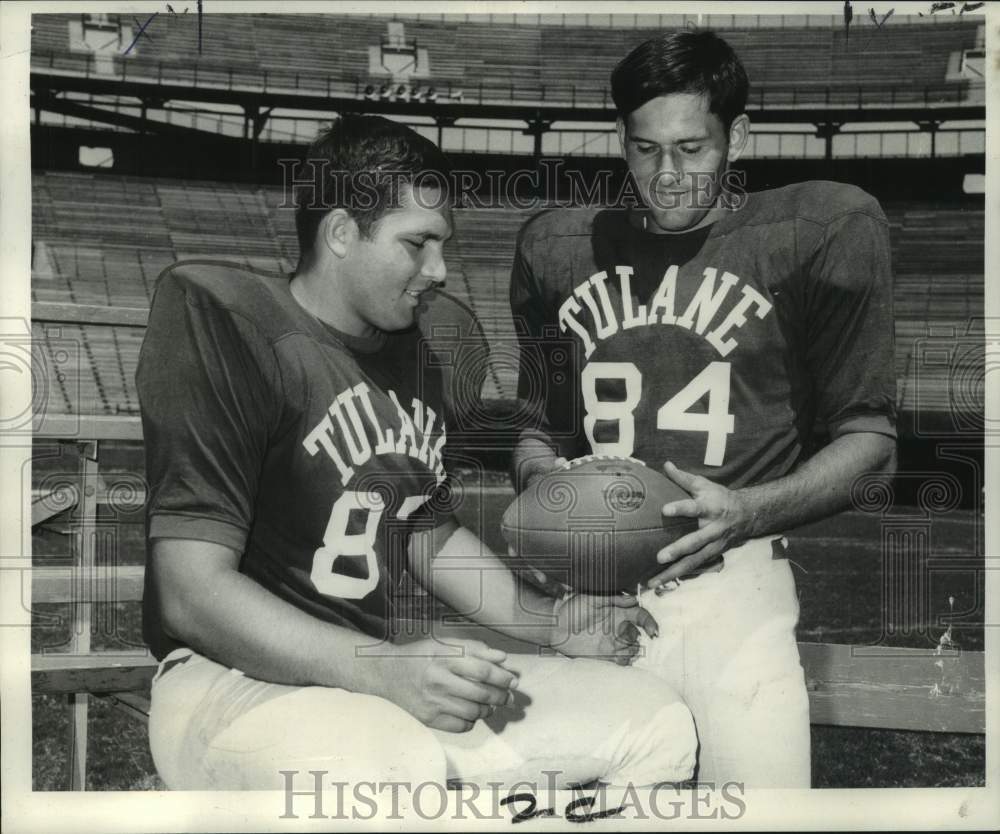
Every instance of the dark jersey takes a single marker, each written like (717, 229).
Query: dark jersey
(719, 349)
(309, 452)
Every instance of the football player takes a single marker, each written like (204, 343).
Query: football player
(713, 330)
(295, 443)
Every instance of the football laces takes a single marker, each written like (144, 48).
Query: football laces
(588, 458)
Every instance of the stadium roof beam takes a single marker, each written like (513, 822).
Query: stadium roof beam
(114, 117)
(931, 126)
(537, 127)
(253, 125)
(826, 131)
(442, 122)
(524, 111)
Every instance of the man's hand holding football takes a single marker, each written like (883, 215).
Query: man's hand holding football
(724, 521)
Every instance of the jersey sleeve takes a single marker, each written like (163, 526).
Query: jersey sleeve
(849, 325)
(528, 312)
(205, 380)
(549, 365)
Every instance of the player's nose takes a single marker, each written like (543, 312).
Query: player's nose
(668, 172)
(433, 267)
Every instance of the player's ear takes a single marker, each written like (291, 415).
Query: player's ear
(337, 231)
(622, 133)
(739, 134)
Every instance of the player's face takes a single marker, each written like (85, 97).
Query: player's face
(677, 152)
(401, 260)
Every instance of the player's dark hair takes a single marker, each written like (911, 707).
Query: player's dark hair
(686, 61)
(360, 164)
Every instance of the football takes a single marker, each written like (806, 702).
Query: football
(596, 525)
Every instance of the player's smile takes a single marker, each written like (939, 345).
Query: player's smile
(419, 293)
(409, 241)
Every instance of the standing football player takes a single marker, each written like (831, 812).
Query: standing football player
(713, 331)
(294, 445)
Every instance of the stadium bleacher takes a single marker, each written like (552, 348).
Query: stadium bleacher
(111, 258)
(538, 62)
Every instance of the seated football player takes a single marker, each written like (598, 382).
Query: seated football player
(710, 331)
(294, 451)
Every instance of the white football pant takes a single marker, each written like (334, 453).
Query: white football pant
(211, 727)
(727, 646)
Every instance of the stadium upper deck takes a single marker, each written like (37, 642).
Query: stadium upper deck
(493, 61)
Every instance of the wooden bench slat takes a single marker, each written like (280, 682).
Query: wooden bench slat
(892, 688)
(908, 708)
(48, 311)
(890, 666)
(100, 584)
(84, 427)
(97, 673)
(41, 513)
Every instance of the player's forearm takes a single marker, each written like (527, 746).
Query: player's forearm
(466, 575)
(818, 488)
(537, 454)
(534, 454)
(233, 620)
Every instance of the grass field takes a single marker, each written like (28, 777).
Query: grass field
(839, 571)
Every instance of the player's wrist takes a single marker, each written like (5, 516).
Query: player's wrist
(392, 670)
(533, 458)
(748, 516)
(559, 626)
(529, 615)
(537, 616)
(536, 469)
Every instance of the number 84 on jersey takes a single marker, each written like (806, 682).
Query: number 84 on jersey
(716, 423)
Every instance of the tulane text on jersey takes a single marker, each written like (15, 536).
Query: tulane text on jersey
(344, 426)
(714, 312)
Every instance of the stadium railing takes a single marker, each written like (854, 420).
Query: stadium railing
(226, 77)
(665, 21)
(937, 690)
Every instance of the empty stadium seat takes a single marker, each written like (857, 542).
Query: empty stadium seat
(517, 62)
(111, 257)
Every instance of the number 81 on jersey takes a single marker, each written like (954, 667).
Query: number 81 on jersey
(674, 415)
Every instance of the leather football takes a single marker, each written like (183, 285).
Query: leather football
(596, 525)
